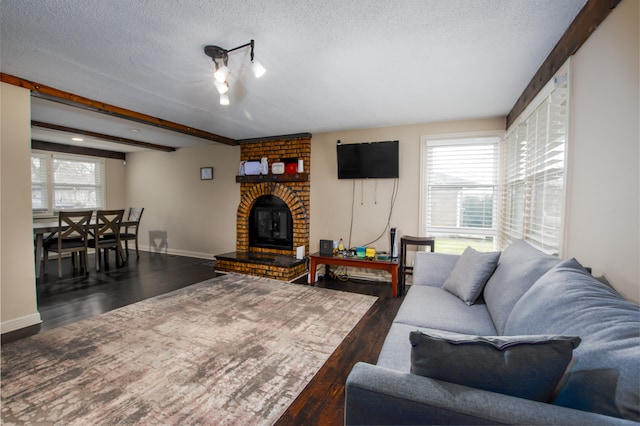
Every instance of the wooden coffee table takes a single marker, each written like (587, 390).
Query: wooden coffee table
(390, 266)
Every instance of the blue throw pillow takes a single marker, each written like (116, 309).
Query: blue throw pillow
(524, 366)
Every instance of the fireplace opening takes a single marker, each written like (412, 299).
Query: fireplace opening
(271, 224)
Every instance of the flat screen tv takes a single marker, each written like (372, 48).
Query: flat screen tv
(369, 160)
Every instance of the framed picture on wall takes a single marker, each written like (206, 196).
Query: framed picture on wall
(206, 173)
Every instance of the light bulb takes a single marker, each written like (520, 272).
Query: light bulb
(224, 99)
(221, 73)
(258, 69)
(222, 87)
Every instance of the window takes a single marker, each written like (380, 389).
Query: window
(460, 192)
(39, 177)
(533, 171)
(65, 182)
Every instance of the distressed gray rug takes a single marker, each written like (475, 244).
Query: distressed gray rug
(231, 350)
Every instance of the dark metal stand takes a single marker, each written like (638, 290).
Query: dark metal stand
(408, 270)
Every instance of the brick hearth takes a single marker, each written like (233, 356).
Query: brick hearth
(293, 189)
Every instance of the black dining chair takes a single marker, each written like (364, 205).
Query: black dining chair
(131, 231)
(71, 237)
(105, 234)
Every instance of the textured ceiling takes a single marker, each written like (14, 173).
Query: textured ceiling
(331, 64)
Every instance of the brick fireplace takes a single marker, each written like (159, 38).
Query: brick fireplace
(273, 258)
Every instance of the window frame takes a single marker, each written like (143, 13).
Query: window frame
(510, 227)
(49, 157)
(460, 139)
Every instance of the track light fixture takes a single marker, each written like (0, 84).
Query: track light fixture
(220, 58)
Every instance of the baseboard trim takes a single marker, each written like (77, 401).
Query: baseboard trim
(174, 252)
(20, 322)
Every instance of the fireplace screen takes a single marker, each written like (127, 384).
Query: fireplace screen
(271, 224)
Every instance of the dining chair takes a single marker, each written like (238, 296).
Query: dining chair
(71, 237)
(135, 214)
(105, 234)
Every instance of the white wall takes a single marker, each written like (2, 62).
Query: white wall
(116, 184)
(197, 217)
(602, 226)
(331, 198)
(17, 271)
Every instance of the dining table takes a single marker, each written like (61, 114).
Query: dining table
(42, 229)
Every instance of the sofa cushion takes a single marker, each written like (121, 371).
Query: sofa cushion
(432, 268)
(524, 366)
(470, 274)
(520, 266)
(568, 300)
(433, 307)
(396, 350)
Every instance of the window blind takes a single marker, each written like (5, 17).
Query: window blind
(462, 187)
(39, 177)
(77, 183)
(65, 182)
(533, 173)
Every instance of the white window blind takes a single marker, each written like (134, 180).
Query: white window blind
(461, 192)
(65, 182)
(39, 189)
(533, 172)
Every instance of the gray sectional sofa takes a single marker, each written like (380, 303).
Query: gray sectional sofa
(527, 295)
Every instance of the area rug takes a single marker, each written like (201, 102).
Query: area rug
(231, 350)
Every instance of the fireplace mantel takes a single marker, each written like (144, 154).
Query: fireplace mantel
(298, 177)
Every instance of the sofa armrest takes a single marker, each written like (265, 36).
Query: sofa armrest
(433, 269)
(376, 395)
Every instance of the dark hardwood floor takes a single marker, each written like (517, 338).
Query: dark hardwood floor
(77, 296)
(322, 400)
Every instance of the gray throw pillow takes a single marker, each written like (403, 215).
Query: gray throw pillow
(471, 273)
(524, 366)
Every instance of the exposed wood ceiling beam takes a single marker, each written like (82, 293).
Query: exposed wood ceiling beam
(102, 136)
(72, 149)
(280, 138)
(56, 95)
(584, 24)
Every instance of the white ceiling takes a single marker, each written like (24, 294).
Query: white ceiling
(331, 64)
